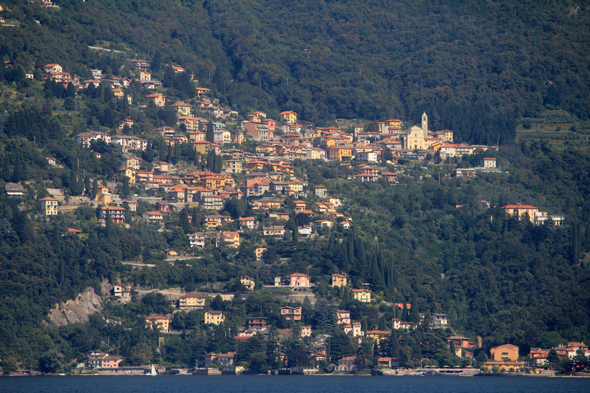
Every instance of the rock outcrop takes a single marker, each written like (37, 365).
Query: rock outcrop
(78, 309)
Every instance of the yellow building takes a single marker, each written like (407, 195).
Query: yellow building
(157, 322)
(289, 116)
(214, 317)
(157, 98)
(520, 211)
(129, 172)
(415, 139)
(132, 162)
(362, 295)
(182, 108)
(339, 280)
(339, 152)
(103, 196)
(190, 301)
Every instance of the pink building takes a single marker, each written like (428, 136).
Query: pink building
(299, 280)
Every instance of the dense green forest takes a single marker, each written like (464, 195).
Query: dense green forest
(474, 66)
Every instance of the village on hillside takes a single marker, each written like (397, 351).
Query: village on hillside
(247, 165)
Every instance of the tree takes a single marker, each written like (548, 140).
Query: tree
(393, 344)
(125, 189)
(94, 188)
(414, 312)
(156, 62)
(184, 221)
(148, 154)
(324, 316)
(235, 207)
(51, 361)
(210, 136)
(141, 354)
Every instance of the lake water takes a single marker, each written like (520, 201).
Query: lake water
(291, 384)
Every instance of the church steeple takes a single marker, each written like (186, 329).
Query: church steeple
(425, 123)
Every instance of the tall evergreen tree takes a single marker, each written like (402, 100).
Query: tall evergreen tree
(210, 136)
(94, 188)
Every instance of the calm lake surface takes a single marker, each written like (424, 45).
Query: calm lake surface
(291, 384)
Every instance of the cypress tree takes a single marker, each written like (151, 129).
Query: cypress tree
(6, 172)
(414, 311)
(126, 191)
(94, 188)
(393, 344)
(210, 136)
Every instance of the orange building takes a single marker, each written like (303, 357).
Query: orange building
(503, 352)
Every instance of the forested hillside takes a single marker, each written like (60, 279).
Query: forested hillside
(473, 65)
(437, 242)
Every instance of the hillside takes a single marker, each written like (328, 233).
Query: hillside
(474, 66)
(425, 227)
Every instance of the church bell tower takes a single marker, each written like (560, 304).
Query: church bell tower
(425, 123)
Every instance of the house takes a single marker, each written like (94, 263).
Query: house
(320, 191)
(538, 356)
(291, 313)
(273, 230)
(221, 359)
(153, 216)
(157, 322)
(260, 253)
(343, 317)
(227, 239)
(248, 222)
(401, 325)
(248, 282)
(214, 317)
(440, 319)
(506, 352)
(259, 131)
(289, 116)
(339, 152)
(460, 342)
(520, 211)
(323, 224)
(362, 295)
(305, 331)
(298, 280)
(348, 364)
(181, 108)
(53, 68)
(489, 162)
(157, 98)
(390, 177)
(388, 362)
(49, 206)
(339, 280)
(196, 239)
(257, 323)
(163, 207)
(103, 360)
(378, 335)
(14, 190)
(190, 301)
(115, 213)
(145, 76)
(366, 178)
(202, 91)
(122, 291)
(129, 173)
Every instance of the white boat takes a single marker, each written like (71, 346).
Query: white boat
(153, 373)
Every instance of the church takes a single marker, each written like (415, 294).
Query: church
(416, 136)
